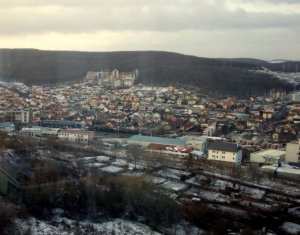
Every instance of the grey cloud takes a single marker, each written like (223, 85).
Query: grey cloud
(142, 15)
(275, 1)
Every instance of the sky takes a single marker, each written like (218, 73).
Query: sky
(264, 29)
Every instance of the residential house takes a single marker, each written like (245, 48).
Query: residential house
(225, 152)
(293, 152)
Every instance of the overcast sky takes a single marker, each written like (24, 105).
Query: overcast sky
(266, 29)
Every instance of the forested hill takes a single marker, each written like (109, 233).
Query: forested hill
(218, 77)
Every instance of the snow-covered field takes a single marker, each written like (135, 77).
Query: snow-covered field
(293, 78)
(66, 226)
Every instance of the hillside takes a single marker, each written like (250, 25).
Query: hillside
(217, 77)
(274, 65)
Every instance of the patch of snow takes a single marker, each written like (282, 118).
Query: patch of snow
(174, 186)
(290, 228)
(102, 158)
(112, 169)
(156, 180)
(96, 164)
(172, 173)
(295, 211)
(67, 226)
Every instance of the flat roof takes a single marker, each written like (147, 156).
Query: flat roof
(60, 122)
(224, 146)
(157, 140)
(269, 153)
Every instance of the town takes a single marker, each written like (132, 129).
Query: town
(197, 148)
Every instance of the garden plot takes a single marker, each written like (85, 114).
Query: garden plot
(120, 163)
(258, 205)
(213, 196)
(174, 186)
(95, 164)
(112, 169)
(102, 159)
(295, 212)
(254, 193)
(220, 184)
(93, 159)
(133, 173)
(132, 166)
(156, 180)
(86, 160)
(229, 210)
(172, 173)
(198, 180)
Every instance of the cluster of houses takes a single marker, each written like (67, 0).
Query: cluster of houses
(98, 103)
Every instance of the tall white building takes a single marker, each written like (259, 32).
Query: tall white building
(292, 153)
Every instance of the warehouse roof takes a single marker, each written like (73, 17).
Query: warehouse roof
(157, 140)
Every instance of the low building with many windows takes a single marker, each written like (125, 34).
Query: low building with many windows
(225, 152)
(76, 135)
(39, 131)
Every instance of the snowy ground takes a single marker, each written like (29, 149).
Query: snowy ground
(290, 228)
(174, 186)
(112, 169)
(293, 78)
(66, 226)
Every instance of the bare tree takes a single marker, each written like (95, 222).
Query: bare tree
(135, 152)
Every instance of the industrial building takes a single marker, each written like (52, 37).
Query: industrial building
(147, 140)
(267, 157)
(61, 124)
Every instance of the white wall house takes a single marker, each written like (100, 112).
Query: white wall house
(293, 152)
(76, 135)
(22, 116)
(225, 152)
